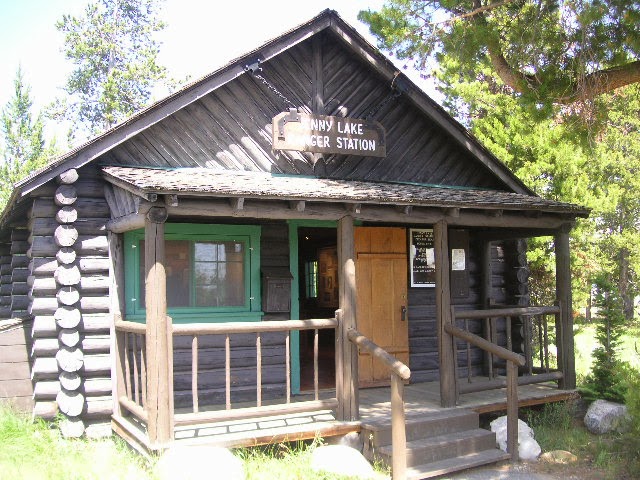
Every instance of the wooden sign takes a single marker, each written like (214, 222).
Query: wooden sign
(422, 257)
(305, 132)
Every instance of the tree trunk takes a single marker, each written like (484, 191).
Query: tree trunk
(623, 285)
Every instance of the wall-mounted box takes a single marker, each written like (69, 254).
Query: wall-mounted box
(276, 289)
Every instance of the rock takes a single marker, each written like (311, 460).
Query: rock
(558, 456)
(199, 463)
(605, 417)
(341, 460)
(528, 448)
(353, 440)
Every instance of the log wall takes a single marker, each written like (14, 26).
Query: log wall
(15, 382)
(423, 341)
(68, 281)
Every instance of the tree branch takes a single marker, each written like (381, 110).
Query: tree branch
(472, 13)
(603, 81)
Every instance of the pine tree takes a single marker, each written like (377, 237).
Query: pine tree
(607, 380)
(116, 63)
(24, 148)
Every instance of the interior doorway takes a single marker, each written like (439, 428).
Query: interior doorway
(318, 287)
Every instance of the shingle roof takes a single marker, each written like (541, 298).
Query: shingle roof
(206, 182)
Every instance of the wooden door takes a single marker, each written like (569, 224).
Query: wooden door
(381, 280)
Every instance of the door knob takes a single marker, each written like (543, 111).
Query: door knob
(403, 313)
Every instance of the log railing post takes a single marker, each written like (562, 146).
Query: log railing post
(118, 368)
(398, 429)
(564, 327)
(446, 345)
(347, 287)
(158, 331)
(512, 410)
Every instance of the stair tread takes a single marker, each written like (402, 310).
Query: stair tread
(456, 464)
(440, 440)
(373, 423)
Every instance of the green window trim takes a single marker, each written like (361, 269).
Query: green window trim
(249, 235)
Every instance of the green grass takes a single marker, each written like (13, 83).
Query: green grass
(291, 461)
(35, 450)
(556, 427)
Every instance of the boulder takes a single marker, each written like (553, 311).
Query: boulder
(528, 448)
(341, 460)
(606, 417)
(353, 440)
(199, 463)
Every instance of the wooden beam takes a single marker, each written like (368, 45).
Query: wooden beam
(564, 321)
(297, 205)
(160, 424)
(448, 393)
(347, 293)
(453, 212)
(171, 200)
(354, 208)
(237, 203)
(133, 221)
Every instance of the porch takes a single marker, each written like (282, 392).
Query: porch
(146, 415)
(421, 399)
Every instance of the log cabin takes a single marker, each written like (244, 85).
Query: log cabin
(302, 243)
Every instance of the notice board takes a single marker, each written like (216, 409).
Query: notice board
(422, 257)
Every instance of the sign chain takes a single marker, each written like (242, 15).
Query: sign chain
(395, 93)
(255, 68)
(274, 89)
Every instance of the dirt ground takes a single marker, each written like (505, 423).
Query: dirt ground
(532, 471)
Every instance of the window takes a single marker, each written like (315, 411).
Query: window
(311, 279)
(212, 272)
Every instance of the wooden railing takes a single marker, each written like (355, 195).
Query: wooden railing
(535, 335)
(132, 360)
(513, 361)
(399, 373)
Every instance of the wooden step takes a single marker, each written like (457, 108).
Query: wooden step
(449, 465)
(378, 432)
(449, 445)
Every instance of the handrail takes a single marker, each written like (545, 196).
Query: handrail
(505, 312)
(399, 373)
(513, 360)
(131, 402)
(392, 363)
(252, 327)
(484, 344)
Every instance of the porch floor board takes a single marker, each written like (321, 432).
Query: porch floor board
(421, 399)
(424, 398)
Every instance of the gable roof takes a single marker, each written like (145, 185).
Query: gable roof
(328, 19)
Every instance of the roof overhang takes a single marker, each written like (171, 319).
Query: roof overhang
(179, 190)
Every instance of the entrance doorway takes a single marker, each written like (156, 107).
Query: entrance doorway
(382, 304)
(318, 293)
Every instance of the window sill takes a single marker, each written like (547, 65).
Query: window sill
(208, 317)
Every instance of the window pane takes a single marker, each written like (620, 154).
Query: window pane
(217, 269)
(177, 260)
(219, 274)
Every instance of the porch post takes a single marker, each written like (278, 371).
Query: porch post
(564, 327)
(159, 387)
(347, 286)
(448, 394)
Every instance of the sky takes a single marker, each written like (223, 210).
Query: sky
(201, 36)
